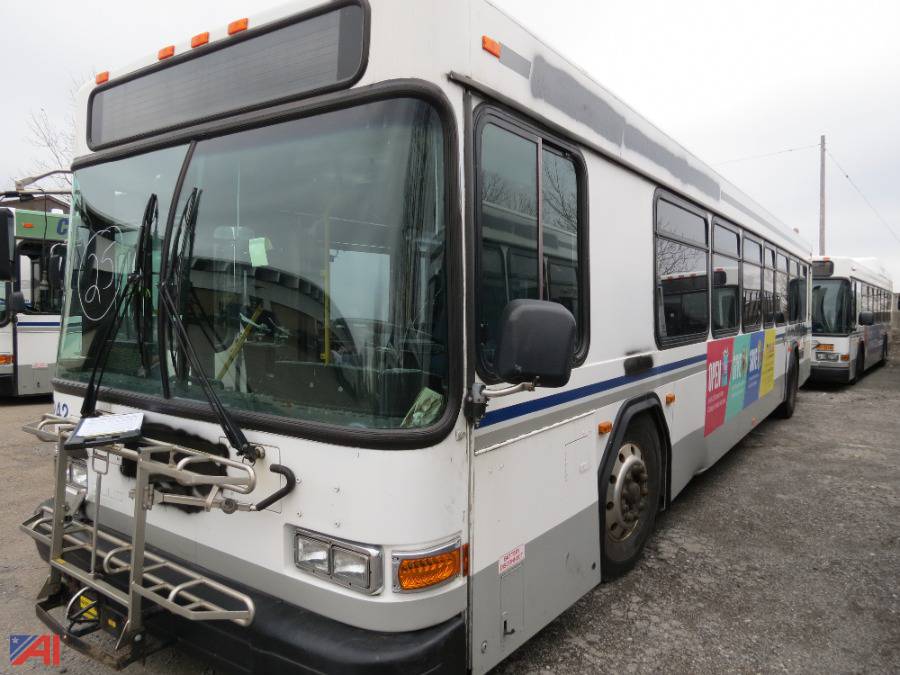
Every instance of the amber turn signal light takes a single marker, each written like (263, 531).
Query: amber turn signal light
(414, 574)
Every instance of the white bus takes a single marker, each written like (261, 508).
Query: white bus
(401, 310)
(32, 257)
(851, 317)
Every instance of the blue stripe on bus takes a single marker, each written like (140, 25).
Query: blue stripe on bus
(536, 405)
(37, 323)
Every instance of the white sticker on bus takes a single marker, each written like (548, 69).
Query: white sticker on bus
(512, 558)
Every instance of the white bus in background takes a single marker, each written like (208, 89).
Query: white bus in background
(852, 300)
(32, 257)
(402, 311)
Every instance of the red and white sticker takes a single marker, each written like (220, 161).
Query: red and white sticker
(511, 559)
(39, 366)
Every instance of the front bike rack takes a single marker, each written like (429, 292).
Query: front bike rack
(152, 578)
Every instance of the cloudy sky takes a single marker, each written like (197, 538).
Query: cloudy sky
(726, 79)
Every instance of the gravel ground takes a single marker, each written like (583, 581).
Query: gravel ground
(784, 557)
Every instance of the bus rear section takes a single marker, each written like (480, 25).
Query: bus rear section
(31, 298)
(851, 315)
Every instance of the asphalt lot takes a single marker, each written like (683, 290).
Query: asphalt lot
(784, 557)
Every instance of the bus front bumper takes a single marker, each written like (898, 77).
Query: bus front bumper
(7, 384)
(284, 638)
(831, 373)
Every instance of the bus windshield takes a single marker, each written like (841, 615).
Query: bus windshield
(312, 274)
(831, 306)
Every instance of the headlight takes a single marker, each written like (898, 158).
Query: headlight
(355, 566)
(312, 554)
(351, 567)
(77, 473)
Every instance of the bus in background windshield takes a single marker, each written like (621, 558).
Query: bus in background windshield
(851, 317)
(31, 300)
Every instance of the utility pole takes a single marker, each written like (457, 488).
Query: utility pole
(822, 195)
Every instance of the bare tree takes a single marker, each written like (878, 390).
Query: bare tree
(54, 143)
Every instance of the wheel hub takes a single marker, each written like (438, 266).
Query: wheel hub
(626, 495)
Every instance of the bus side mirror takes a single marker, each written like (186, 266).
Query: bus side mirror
(536, 343)
(866, 318)
(16, 304)
(7, 245)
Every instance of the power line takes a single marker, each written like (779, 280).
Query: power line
(865, 199)
(768, 154)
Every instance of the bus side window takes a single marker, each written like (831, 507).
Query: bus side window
(682, 279)
(752, 280)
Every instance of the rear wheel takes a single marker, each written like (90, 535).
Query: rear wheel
(786, 410)
(629, 490)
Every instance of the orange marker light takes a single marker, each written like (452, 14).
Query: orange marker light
(418, 573)
(237, 26)
(490, 46)
(670, 398)
(604, 428)
(6, 359)
(199, 40)
(28, 226)
(102, 77)
(845, 357)
(165, 52)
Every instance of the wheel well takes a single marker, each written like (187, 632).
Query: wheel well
(645, 409)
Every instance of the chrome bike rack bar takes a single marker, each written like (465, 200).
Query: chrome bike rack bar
(151, 577)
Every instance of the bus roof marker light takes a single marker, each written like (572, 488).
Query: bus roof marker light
(165, 52)
(28, 226)
(491, 46)
(670, 398)
(604, 428)
(102, 77)
(238, 26)
(199, 39)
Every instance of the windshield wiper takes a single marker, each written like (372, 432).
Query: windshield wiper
(169, 291)
(102, 344)
(142, 297)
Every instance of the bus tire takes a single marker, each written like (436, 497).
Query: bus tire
(860, 367)
(630, 488)
(785, 411)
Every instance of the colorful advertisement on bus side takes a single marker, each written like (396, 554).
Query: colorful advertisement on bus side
(739, 371)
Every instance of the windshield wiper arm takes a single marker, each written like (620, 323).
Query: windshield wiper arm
(169, 291)
(102, 344)
(143, 302)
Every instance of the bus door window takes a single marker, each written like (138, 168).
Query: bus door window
(682, 280)
(509, 219)
(559, 217)
(528, 214)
